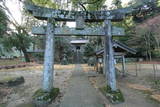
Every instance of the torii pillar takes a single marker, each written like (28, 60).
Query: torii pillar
(109, 66)
(49, 56)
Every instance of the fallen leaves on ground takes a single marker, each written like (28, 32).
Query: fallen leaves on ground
(93, 81)
(156, 97)
(139, 87)
(39, 67)
(4, 91)
(64, 67)
(87, 68)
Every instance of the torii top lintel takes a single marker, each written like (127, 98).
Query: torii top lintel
(43, 13)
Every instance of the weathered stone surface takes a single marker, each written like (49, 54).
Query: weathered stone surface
(65, 31)
(109, 57)
(42, 98)
(49, 57)
(90, 16)
(26, 105)
(63, 15)
(80, 24)
(11, 81)
(114, 97)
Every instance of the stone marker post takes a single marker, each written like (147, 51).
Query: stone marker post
(49, 57)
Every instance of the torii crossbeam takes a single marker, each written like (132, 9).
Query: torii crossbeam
(65, 31)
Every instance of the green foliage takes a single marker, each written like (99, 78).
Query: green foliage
(92, 61)
(113, 96)
(96, 6)
(156, 53)
(45, 3)
(19, 40)
(117, 3)
(156, 83)
(89, 5)
(63, 46)
(144, 41)
(3, 22)
(158, 3)
(89, 50)
(64, 60)
(38, 56)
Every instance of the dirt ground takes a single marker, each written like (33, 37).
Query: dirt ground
(22, 94)
(137, 90)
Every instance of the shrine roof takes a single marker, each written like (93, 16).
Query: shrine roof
(119, 48)
(78, 42)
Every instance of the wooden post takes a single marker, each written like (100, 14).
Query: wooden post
(49, 57)
(109, 57)
(154, 71)
(97, 64)
(123, 65)
(136, 69)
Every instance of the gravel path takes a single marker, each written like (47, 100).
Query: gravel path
(80, 92)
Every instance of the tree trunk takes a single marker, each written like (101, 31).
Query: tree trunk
(109, 55)
(49, 57)
(26, 56)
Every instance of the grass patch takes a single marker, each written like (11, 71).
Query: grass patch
(44, 96)
(10, 62)
(114, 97)
(157, 84)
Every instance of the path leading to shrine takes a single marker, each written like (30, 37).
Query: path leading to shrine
(80, 92)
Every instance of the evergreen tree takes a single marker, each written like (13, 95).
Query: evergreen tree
(3, 22)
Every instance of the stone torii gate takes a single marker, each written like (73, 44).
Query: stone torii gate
(52, 15)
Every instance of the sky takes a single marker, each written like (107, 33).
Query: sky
(15, 8)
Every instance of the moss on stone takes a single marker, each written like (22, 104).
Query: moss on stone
(3, 105)
(114, 96)
(12, 81)
(44, 96)
(26, 105)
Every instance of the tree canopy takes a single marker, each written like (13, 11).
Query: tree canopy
(21, 38)
(45, 3)
(3, 22)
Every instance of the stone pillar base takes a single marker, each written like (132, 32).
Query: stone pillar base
(42, 98)
(115, 97)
